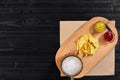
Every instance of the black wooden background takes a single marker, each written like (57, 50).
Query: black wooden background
(29, 35)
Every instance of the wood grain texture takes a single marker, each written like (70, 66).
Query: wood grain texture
(34, 37)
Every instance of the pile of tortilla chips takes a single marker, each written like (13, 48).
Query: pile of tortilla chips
(87, 44)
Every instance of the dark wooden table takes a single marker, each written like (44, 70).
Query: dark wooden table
(29, 35)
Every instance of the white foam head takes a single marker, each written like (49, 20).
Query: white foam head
(71, 65)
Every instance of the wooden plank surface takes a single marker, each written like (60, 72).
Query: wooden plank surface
(37, 23)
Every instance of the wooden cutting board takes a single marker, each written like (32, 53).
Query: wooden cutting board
(100, 69)
(89, 62)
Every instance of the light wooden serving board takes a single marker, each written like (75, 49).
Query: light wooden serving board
(106, 67)
(89, 62)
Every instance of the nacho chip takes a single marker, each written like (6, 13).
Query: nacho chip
(87, 44)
